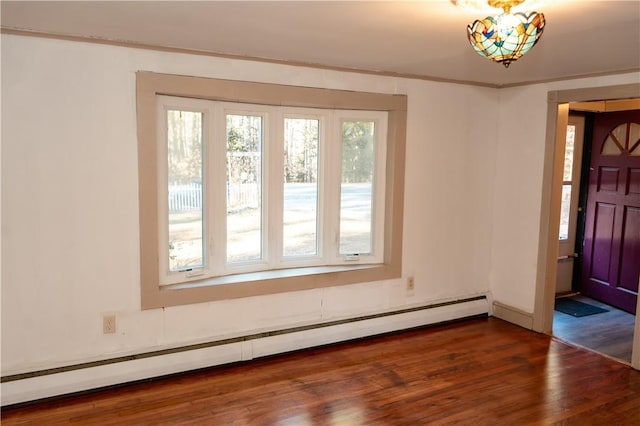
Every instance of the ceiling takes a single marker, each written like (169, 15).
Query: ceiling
(423, 39)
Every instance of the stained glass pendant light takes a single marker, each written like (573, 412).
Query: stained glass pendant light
(506, 37)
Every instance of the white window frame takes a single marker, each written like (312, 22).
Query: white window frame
(214, 172)
(322, 219)
(378, 193)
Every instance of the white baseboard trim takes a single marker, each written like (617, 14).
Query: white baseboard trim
(49, 383)
(513, 315)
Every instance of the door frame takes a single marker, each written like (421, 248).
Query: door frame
(568, 249)
(557, 119)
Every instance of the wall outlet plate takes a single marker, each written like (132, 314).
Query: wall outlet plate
(109, 324)
(411, 286)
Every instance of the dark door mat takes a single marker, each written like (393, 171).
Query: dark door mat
(576, 308)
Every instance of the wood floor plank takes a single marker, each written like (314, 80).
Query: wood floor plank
(476, 372)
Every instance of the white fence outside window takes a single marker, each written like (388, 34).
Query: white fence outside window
(184, 198)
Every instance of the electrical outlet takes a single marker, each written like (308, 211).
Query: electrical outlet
(109, 324)
(410, 285)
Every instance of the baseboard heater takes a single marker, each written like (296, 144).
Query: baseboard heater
(35, 385)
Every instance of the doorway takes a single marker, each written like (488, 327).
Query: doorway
(583, 315)
(557, 120)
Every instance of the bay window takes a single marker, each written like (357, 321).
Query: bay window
(247, 188)
(244, 195)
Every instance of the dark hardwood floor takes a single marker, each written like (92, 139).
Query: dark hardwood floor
(475, 372)
(609, 333)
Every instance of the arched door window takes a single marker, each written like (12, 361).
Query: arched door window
(625, 138)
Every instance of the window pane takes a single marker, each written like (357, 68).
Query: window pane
(568, 152)
(620, 135)
(564, 212)
(244, 188)
(610, 147)
(634, 139)
(616, 141)
(184, 153)
(300, 210)
(356, 191)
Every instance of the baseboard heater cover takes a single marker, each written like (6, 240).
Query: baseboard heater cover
(83, 377)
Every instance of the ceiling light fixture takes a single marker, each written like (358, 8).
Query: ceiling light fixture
(506, 37)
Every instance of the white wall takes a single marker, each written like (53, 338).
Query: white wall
(70, 214)
(449, 187)
(519, 161)
(70, 218)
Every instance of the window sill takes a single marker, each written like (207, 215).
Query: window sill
(265, 282)
(267, 275)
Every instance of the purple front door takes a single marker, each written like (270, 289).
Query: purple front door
(611, 257)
